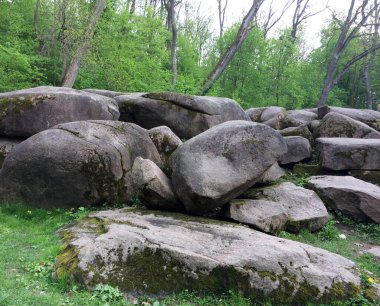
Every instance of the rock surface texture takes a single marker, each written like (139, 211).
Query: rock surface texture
(155, 253)
(351, 196)
(282, 207)
(6, 146)
(299, 149)
(29, 111)
(153, 187)
(214, 167)
(76, 164)
(349, 153)
(338, 125)
(186, 115)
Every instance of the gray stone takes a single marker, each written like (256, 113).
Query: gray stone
(274, 173)
(157, 253)
(282, 207)
(375, 252)
(216, 166)
(349, 153)
(165, 141)
(367, 116)
(153, 188)
(76, 164)
(185, 115)
(255, 113)
(299, 149)
(351, 196)
(338, 125)
(366, 175)
(273, 116)
(301, 130)
(104, 92)
(6, 146)
(29, 111)
(298, 117)
(314, 125)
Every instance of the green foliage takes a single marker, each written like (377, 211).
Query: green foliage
(107, 293)
(329, 232)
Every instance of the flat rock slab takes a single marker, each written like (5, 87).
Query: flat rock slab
(29, 111)
(349, 153)
(186, 115)
(216, 166)
(282, 207)
(155, 253)
(351, 196)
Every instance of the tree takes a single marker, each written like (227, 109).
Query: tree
(72, 70)
(300, 15)
(349, 29)
(233, 48)
(222, 15)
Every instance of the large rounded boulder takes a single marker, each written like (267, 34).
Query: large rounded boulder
(185, 115)
(214, 167)
(76, 164)
(29, 111)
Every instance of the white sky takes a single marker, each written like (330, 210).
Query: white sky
(236, 10)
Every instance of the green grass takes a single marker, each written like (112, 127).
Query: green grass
(28, 246)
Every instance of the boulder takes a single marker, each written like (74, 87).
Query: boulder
(353, 197)
(367, 116)
(301, 130)
(255, 113)
(349, 153)
(158, 253)
(185, 115)
(299, 149)
(274, 173)
(366, 175)
(337, 125)
(104, 92)
(165, 141)
(76, 164)
(298, 117)
(273, 116)
(152, 186)
(375, 252)
(6, 146)
(314, 125)
(276, 208)
(26, 112)
(216, 166)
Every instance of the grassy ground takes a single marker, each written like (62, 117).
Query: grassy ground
(28, 246)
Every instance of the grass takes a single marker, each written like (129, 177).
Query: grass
(28, 246)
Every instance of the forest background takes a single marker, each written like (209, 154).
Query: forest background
(172, 45)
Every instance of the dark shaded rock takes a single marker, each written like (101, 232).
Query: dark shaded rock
(366, 175)
(6, 146)
(185, 115)
(338, 125)
(355, 198)
(299, 149)
(349, 153)
(308, 170)
(156, 253)
(214, 167)
(255, 113)
(282, 207)
(367, 116)
(29, 111)
(153, 188)
(298, 118)
(301, 130)
(76, 164)
(165, 141)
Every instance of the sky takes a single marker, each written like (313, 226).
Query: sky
(236, 9)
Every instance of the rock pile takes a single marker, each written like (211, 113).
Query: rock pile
(66, 148)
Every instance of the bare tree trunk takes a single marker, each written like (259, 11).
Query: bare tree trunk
(133, 7)
(233, 48)
(36, 13)
(73, 69)
(221, 15)
(345, 37)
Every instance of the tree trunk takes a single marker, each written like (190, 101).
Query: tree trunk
(233, 48)
(174, 54)
(73, 69)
